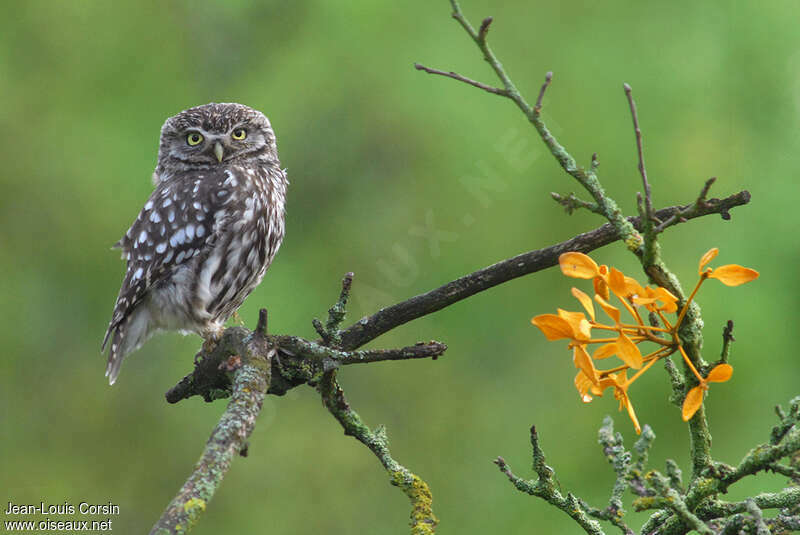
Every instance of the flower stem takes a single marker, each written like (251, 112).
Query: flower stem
(689, 363)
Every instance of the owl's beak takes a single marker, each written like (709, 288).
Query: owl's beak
(218, 152)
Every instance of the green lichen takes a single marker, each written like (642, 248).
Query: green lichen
(423, 521)
(194, 506)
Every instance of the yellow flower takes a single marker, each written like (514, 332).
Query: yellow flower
(730, 274)
(580, 266)
(626, 336)
(733, 275)
(650, 298)
(694, 398)
(584, 363)
(569, 325)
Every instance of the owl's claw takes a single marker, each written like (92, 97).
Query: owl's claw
(210, 344)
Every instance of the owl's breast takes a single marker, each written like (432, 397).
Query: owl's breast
(248, 236)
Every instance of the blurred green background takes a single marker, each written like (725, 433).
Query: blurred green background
(410, 181)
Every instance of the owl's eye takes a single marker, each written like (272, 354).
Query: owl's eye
(194, 139)
(239, 134)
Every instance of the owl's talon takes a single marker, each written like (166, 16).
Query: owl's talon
(210, 344)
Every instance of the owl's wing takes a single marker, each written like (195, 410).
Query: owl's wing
(180, 220)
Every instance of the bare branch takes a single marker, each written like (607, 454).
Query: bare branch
(456, 76)
(678, 216)
(648, 201)
(571, 203)
(545, 487)
(547, 79)
(423, 521)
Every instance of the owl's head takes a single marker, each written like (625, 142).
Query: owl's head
(214, 135)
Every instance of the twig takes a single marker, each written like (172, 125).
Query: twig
(423, 521)
(678, 216)
(673, 500)
(648, 201)
(758, 517)
(587, 179)
(571, 203)
(547, 79)
(727, 338)
(460, 78)
(783, 499)
(484, 29)
(544, 487)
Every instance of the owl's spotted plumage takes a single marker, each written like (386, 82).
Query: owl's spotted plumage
(208, 232)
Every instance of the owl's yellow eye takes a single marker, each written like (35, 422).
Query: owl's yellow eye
(194, 139)
(239, 134)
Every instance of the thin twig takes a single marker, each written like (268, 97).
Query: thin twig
(545, 487)
(648, 201)
(484, 29)
(727, 339)
(460, 78)
(571, 203)
(678, 217)
(423, 521)
(547, 79)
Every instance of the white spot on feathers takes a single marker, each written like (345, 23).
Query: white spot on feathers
(177, 238)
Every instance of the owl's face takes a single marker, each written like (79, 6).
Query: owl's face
(214, 135)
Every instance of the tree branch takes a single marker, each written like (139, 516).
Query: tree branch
(545, 487)
(229, 438)
(423, 521)
(386, 319)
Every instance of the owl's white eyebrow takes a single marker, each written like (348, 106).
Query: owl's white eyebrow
(198, 130)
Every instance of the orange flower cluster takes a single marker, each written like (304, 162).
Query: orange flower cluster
(624, 338)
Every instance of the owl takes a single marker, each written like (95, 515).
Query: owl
(207, 234)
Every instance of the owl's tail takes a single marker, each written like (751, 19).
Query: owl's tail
(126, 337)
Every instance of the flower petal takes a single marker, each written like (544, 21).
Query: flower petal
(605, 351)
(583, 384)
(692, 402)
(601, 288)
(605, 382)
(633, 287)
(629, 352)
(585, 300)
(581, 329)
(616, 281)
(583, 362)
(720, 373)
(611, 310)
(734, 275)
(665, 296)
(552, 326)
(578, 265)
(706, 258)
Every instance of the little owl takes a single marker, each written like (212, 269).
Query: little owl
(207, 233)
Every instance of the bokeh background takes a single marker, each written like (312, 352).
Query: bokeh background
(410, 181)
